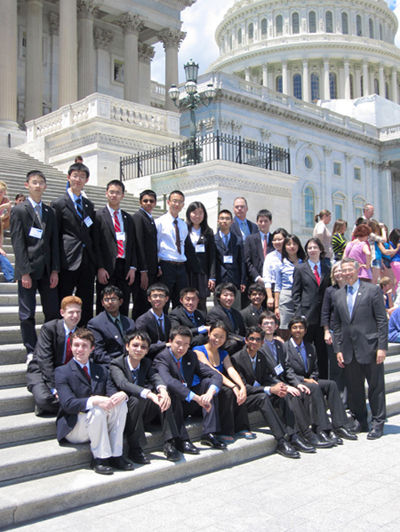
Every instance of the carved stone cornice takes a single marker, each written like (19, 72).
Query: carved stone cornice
(130, 23)
(265, 135)
(171, 38)
(54, 22)
(292, 141)
(327, 150)
(87, 9)
(146, 53)
(103, 39)
(348, 156)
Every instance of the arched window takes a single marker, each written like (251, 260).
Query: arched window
(295, 23)
(312, 22)
(362, 86)
(359, 26)
(240, 35)
(376, 86)
(264, 26)
(329, 22)
(351, 86)
(332, 86)
(380, 32)
(387, 91)
(278, 84)
(279, 25)
(314, 87)
(371, 28)
(297, 86)
(345, 24)
(309, 207)
(251, 31)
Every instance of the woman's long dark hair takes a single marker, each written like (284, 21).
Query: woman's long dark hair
(205, 228)
(301, 254)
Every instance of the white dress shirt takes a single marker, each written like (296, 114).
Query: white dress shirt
(166, 238)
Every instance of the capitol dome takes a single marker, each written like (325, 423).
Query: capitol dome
(312, 50)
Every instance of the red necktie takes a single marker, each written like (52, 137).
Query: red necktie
(68, 350)
(265, 246)
(316, 273)
(120, 243)
(87, 373)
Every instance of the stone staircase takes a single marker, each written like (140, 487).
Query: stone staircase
(38, 477)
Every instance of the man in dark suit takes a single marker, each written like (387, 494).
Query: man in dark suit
(193, 387)
(302, 372)
(188, 316)
(225, 294)
(251, 314)
(52, 349)
(146, 239)
(155, 322)
(116, 247)
(110, 327)
(148, 398)
(91, 408)
(75, 220)
(230, 266)
(262, 390)
(361, 337)
(242, 227)
(310, 280)
(257, 246)
(37, 261)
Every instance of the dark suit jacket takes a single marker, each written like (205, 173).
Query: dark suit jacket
(48, 354)
(241, 362)
(122, 377)
(307, 295)
(253, 228)
(108, 341)
(236, 334)
(36, 256)
(294, 364)
(107, 248)
(254, 255)
(235, 272)
(146, 240)
(73, 232)
(204, 261)
(170, 374)
(366, 330)
(250, 316)
(179, 317)
(74, 389)
(272, 363)
(147, 322)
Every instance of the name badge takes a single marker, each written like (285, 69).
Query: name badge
(279, 369)
(88, 221)
(121, 237)
(200, 248)
(256, 384)
(36, 233)
(228, 259)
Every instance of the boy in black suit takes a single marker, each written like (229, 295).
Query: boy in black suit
(257, 246)
(251, 314)
(37, 262)
(189, 316)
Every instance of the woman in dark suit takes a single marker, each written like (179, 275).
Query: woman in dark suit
(200, 247)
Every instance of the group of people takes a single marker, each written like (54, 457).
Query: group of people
(261, 347)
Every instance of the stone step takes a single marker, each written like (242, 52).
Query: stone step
(393, 403)
(392, 363)
(392, 382)
(8, 288)
(12, 354)
(15, 401)
(23, 428)
(12, 375)
(9, 316)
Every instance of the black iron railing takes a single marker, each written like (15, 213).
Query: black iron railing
(212, 147)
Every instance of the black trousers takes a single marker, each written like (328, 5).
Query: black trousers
(261, 401)
(319, 417)
(41, 392)
(315, 335)
(356, 374)
(117, 278)
(175, 278)
(233, 417)
(140, 301)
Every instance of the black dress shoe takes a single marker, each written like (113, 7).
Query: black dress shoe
(211, 440)
(317, 442)
(324, 438)
(285, 449)
(101, 466)
(170, 452)
(302, 445)
(334, 438)
(119, 462)
(138, 456)
(359, 427)
(346, 433)
(186, 447)
(374, 434)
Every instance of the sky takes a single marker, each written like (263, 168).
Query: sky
(200, 22)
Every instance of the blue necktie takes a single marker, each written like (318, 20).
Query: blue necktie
(231, 318)
(350, 291)
(135, 373)
(192, 319)
(303, 356)
(78, 203)
(225, 239)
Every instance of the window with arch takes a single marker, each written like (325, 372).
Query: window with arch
(380, 32)
(362, 86)
(351, 86)
(314, 87)
(251, 31)
(345, 24)
(359, 26)
(240, 36)
(295, 23)
(297, 92)
(329, 22)
(279, 25)
(387, 91)
(376, 86)
(358, 204)
(371, 28)
(312, 22)
(278, 84)
(309, 206)
(332, 86)
(264, 26)
(339, 200)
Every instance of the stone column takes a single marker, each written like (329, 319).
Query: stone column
(366, 78)
(382, 91)
(327, 93)
(131, 26)
(265, 74)
(8, 62)
(102, 42)
(284, 78)
(247, 74)
(54, 25)
(306, 83)
(146, 54)
(68, 78)
(171, 40)
(34, 62)
(347, 94)
(395, 91)
(86, 57)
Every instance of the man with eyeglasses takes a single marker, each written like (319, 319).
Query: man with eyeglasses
(146, 241)
(110, 327)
